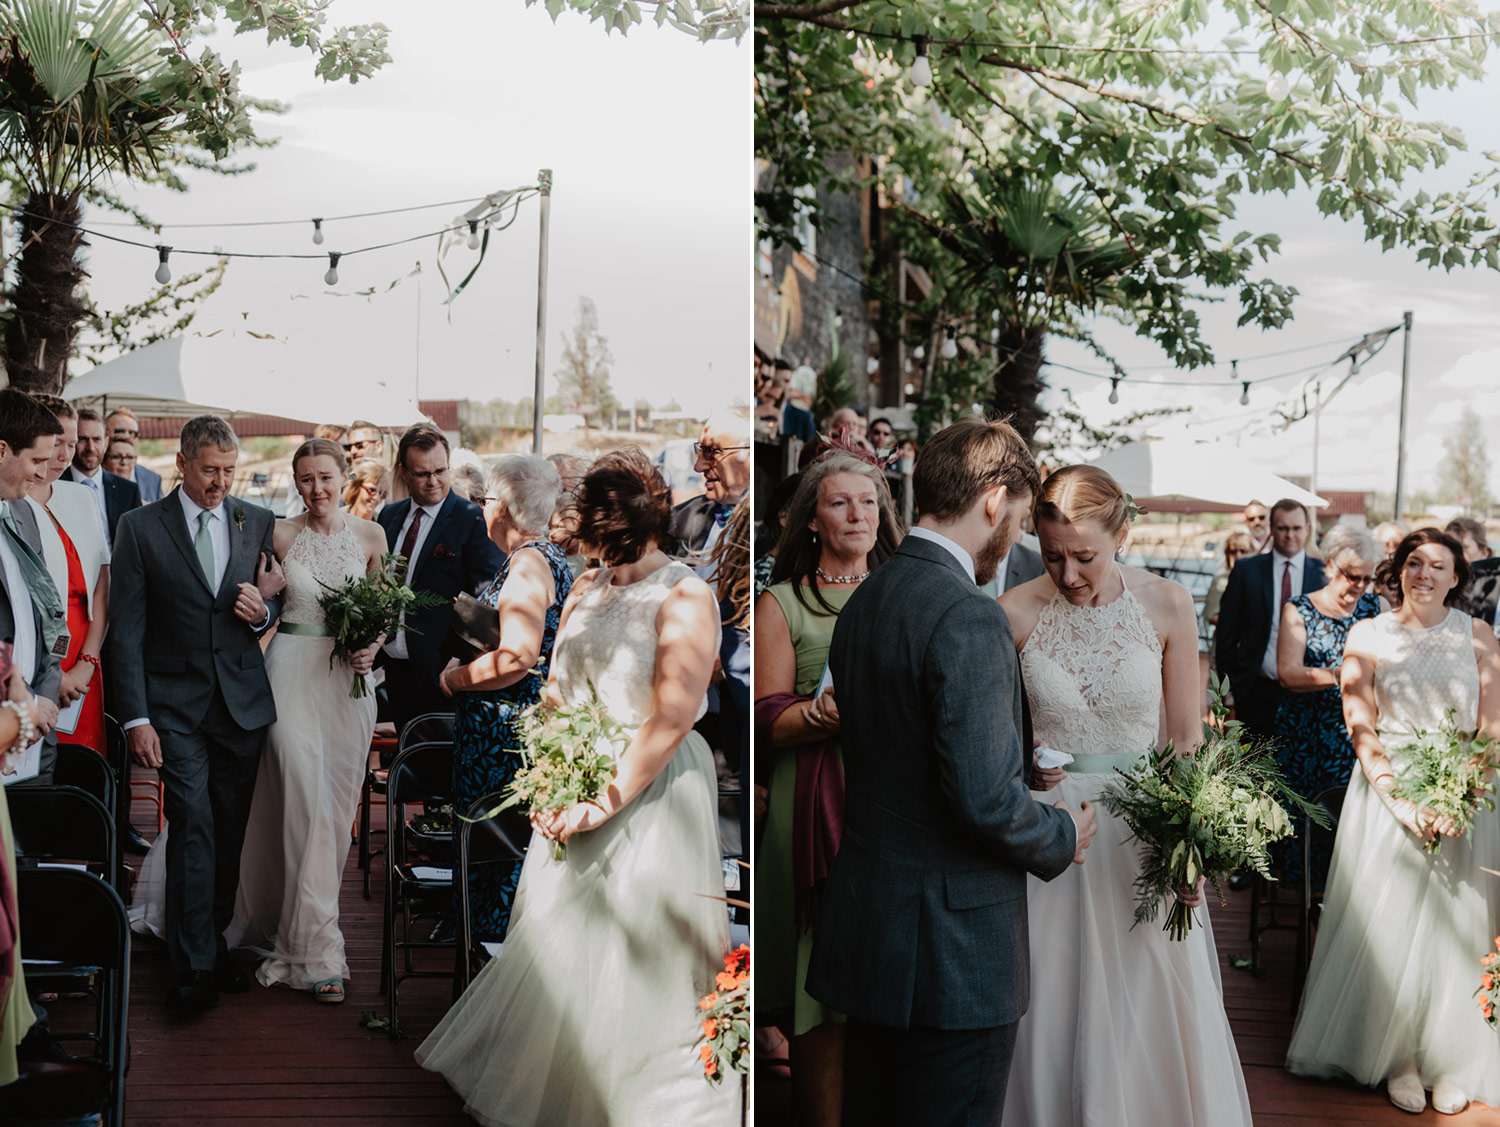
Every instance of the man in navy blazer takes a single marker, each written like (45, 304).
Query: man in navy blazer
(450, 551)
(114, 495)
(1250, 615)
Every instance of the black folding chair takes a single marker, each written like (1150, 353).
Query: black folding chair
(63, 825)
(498, 840)
(74, 937)
(130, 791)
(83, 767)
(422, 773)
(426, 728)
(1332, 802)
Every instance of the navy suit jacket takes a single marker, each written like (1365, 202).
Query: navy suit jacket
(149, 483)
(120, 496)
(1245, 615)
(457, 555)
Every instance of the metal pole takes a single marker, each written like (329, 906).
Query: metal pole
(1401, 428)
(1312, 486)
(544, 181)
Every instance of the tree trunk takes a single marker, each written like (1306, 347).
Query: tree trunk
(1018, 377)
(46, 304)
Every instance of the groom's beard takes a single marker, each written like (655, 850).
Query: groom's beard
(988, 560)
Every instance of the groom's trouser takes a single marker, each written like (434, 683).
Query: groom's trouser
(935, 1077)
(209, 776)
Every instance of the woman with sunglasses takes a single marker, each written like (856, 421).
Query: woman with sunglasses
(1312, 742)
(368, 487)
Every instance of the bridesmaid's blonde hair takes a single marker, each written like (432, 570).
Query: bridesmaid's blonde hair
(1078, 493)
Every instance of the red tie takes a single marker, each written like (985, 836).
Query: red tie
(1286, 579)
(409, 545)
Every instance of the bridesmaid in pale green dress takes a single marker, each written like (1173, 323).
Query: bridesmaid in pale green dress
(839, 526)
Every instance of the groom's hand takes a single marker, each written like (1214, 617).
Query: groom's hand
(145, 745)
(1084, 821)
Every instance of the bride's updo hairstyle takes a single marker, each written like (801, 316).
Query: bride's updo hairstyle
(316, 447)
(1076, 494)
(1388, 574)
(622, 505)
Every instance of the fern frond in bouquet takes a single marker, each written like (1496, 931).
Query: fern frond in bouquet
(1451, 773)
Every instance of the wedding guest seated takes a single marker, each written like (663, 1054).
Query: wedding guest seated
(490, 692)
(122, 423)
(368, 487)
(840, 525)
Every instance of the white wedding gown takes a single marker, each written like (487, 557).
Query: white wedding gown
(306, 792)
(1396, 964)
(1126, 1027)
(589, 1015)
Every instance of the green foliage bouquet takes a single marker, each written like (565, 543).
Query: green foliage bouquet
(1218, 809)
(1449, 772)
(571, 753)
(359, 611)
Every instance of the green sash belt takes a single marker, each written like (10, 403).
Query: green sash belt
(1101, 764)
(305, 629)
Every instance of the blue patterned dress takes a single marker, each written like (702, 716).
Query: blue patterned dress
(1312, 743)
(486, 748)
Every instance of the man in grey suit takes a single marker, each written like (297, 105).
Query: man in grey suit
(32, 617)
(185, 618)
(922, 937)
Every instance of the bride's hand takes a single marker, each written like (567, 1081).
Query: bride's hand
(269, 578)
(1193, 899)
(1045, 778)
(1424, 823)
(362, 661)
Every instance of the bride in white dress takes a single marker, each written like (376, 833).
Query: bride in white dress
(307, 789)
(1389, 995)
(1127, 1027)
(586, 1018)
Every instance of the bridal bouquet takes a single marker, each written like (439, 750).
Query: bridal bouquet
(570, 754)
(359, 611)
(724, 1040)
(1489, 987)
(1218, 809)
(1448, 772)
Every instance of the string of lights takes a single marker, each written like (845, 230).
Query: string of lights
(317, 223)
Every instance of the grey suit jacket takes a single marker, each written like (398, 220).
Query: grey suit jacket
(149, 483)
(929, 887)
(45, 677)
(1024, 565)
(173, 641)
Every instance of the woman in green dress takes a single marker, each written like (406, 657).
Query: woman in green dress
(839, 526)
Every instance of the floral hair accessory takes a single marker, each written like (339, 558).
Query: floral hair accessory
(1133, 512)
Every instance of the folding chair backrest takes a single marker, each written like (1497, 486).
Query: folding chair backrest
(116, 750)
(501, 838)
(421, 772)
(84, 768)
(62, 824)
(426, 728)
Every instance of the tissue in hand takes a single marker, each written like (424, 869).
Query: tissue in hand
(1049, 757)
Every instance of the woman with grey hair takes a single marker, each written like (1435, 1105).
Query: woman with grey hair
(1312, 742)
(528, 592)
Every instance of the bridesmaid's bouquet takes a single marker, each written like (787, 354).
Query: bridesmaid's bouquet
(570, 753)
(724, 1040)
(358, 612)
(1198, 815)
(1489, 987)
(1450, 773)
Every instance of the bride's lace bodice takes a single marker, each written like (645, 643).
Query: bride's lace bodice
(1093, 677)
(312, 558)
(1421, 674)
(609, 641)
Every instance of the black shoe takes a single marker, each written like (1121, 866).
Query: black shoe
(228, 976)
(133, 842)
(39, 1048)
(195, 992)
(1239, 880)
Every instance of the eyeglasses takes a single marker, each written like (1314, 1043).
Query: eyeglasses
(119, 457)
(372, 490)
(427, 475)
(127, 433)
(363, 442)
(1255, 520)
(1355, 580)
(713, 453)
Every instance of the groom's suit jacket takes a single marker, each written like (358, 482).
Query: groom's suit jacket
(173, 640)
(923, 922)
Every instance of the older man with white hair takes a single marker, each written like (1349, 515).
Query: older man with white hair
(722, 456)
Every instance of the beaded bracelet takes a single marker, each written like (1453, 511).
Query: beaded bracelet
(91, 659)
(26, 734)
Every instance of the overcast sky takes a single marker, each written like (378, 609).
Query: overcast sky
(649, 139)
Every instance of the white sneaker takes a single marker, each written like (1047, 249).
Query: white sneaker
(1448, 1097)
(1407, 1093)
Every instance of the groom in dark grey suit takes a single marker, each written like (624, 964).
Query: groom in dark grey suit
(185, 619)
(922, 937)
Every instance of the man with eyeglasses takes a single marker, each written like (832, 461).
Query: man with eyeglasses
(122, 423)
(722, 456)
(1258, 524)
(365, 440)
(447, 549)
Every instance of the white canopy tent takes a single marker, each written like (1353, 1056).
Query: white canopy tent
(1180, 470)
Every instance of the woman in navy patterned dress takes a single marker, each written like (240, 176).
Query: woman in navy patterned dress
(490, 692)
(1312, 742)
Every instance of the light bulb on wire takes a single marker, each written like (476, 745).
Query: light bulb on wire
(1244, 393)
(163, 271)
(473, 234)
(872, 365)
(332, 277)
(921, 69)
(318, 232)
(950, 344)
(1114, 390)
(920, 352)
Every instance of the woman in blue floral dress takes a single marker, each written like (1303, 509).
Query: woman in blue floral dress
(1312, 742)
(490, 692)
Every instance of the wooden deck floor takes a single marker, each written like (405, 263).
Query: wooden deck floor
(1261, 1018)
(273, 1057)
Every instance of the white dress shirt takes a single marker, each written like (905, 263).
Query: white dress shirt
(396, 647)
(94, 482)
(956, 551)
(218, 533)
(1280, 563)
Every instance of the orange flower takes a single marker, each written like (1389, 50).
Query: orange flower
(708, 1002)
(709, 1027)
(705, 1051)
(1486, 980)
(1490, 959)
(725, 980)
(710, 1067)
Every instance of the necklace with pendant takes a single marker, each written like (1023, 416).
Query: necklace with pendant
(826, 578)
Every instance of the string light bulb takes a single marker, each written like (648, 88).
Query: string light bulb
(920, 352)
(473, 234)
(332, 277)
(1244, 393)
(1277, 86)
(838, 320)
(950, 344)
(1114, 390)
(318, 232)
(163, 271)
(921, 69)
(872, 365)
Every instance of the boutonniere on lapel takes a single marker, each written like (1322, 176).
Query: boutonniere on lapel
(441, 551)
(239, 517)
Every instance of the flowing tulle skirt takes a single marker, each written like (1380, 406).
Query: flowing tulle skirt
(1397, 960)
(589, 1015)
(1126, 1027)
